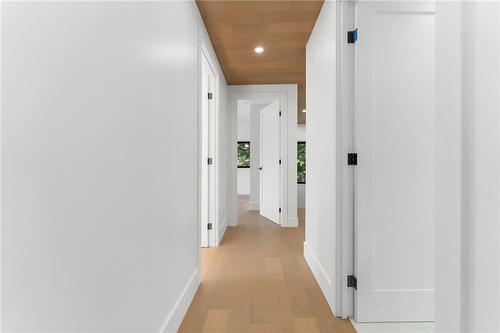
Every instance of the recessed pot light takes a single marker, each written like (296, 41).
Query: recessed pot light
(259, 49)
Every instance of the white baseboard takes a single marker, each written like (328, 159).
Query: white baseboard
(222, 231)
(292, 222)
(176, 315)
(400, 327)
(320, 274)
(253, 206)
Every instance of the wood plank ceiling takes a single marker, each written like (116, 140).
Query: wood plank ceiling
(282, 28)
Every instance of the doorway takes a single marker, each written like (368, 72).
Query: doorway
(284, 121)
(259, 157)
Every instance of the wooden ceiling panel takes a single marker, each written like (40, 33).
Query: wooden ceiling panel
(282, 28)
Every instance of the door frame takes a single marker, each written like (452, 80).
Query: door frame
(287, 94)
(213, 133)
(344, 262)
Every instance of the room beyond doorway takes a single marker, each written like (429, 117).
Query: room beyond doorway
(259, 156)
(280, 103)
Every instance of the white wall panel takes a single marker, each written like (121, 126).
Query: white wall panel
(321, 207)
(99, 165)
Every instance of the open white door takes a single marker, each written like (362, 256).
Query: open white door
(270, 162)
(394, 182)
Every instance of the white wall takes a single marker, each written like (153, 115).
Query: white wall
(100, 126)
(243, 181)
(319, 248)
(301, 195)
(481, 168)
(301, 132)
(243, 121)
(468, 102)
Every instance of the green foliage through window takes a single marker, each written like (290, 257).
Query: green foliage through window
(301, 162)
(243, 154)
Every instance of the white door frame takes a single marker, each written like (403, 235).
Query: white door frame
(344, 262)
(287, 94)
(214, 139)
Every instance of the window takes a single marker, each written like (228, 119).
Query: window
(243, 154)
(301, 162)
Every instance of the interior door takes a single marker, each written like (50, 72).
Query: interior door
(207, 152)
(204, 152)
(269, 162)
(394, 178)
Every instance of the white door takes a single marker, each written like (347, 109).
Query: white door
(270, 162)
(394, 178)
(207, 152)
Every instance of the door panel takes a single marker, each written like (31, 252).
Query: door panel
(204, 152)
(207, 209)
(269, 162)
(394, 184)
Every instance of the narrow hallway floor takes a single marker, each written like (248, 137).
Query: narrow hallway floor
(258, 281)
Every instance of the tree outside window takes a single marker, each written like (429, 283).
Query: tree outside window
(243, 154)
(301, 162)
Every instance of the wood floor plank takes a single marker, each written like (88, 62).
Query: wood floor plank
(257, 281)
(216, 321)
(274, 269)
(264, 303)
(305, 325)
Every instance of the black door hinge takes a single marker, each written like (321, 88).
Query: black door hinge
(210, 96)
(279, 113)
(210, 161)
(280, 210)
(352, 36)
(209, 226)
(352, 282)
(279, 161)
(352, 159)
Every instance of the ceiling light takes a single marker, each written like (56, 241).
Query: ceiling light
(304, 110)
(259, 49)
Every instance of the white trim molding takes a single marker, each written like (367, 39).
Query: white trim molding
(222, 231)
(319, 272)
(177, 313)
(292, 222)
(344, 261)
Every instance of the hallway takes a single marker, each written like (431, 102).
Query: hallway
(258, 281)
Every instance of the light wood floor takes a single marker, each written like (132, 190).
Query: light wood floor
(258, 281)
